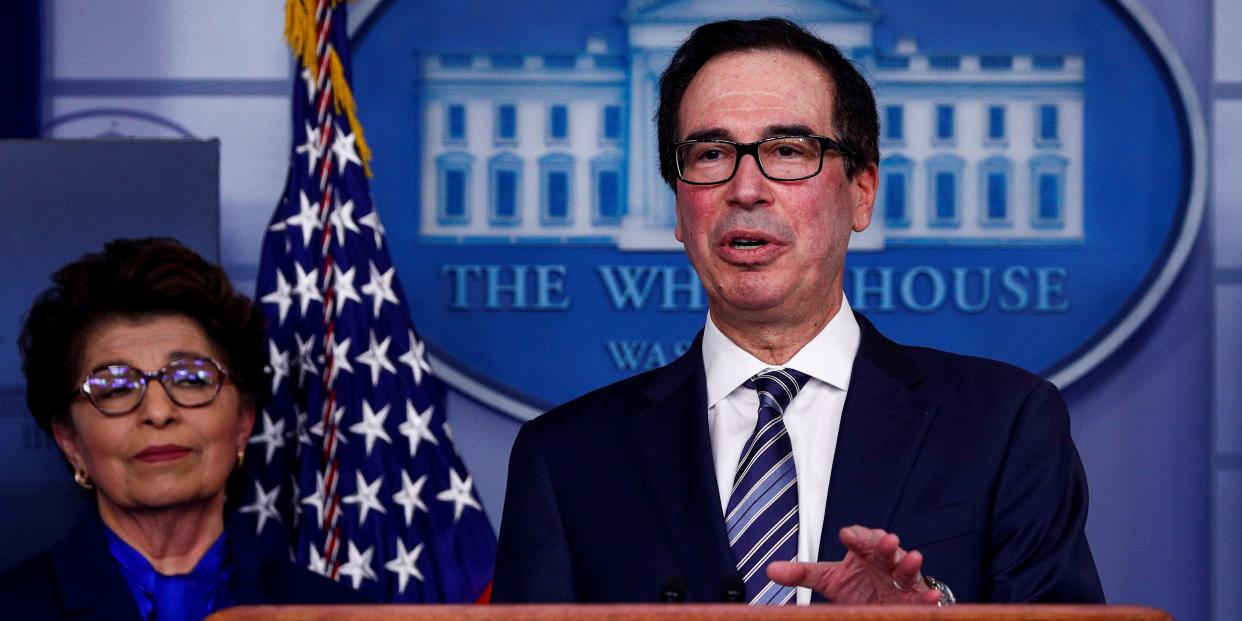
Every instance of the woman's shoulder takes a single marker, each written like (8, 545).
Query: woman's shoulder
(30, 589)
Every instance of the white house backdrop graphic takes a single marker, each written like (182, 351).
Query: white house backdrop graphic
(980, 149)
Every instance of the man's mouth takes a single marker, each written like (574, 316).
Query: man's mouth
(745, 243)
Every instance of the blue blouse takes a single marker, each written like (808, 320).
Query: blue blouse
(190, 596)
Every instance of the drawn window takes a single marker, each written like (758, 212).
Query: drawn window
(608, 190)
(894, 196)
(1047, 123)
(1048, 191)
(944, 184)
(994, 176)
(996, 196)
(505, 181)
(612, 122)
(944, 122)
(506, 123)
(996, 123)
(455, 123)
(556, 188)
(558, 122)
(946, 196)
(894, 123)
(453, 188)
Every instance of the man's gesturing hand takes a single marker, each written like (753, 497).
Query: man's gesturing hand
(875, 570)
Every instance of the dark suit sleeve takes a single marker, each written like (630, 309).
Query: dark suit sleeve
(1038, 546)
(532, 557)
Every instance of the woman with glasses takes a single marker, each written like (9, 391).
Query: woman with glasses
(146, 367)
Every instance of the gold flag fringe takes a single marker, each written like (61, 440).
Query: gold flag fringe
(303, 37)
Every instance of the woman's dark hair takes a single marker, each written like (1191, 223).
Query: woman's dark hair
(853, 115)
(134, 279)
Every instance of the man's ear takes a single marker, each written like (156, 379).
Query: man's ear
(865, 183)
(677, 232)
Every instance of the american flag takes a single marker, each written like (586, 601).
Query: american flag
(352, 462)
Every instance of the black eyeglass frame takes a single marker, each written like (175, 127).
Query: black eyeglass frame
(145, 378)
(752, 149)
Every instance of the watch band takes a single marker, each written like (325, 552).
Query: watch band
(946, 594)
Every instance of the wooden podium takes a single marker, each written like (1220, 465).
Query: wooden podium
(691, 612)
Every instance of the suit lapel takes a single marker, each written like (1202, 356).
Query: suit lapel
(90, 581)
(882, 429)
(671, 443)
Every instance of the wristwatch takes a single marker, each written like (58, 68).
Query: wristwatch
(946, 594)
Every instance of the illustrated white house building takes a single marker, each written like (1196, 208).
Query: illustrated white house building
(561, 148)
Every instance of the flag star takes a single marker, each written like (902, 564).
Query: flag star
(305, 363)
(340, 358)
(337, 415)
(264, 504)
(311, 148)
(344, 286)
(318, 564)
(417, 426)
(282, 297)
(345, 150)
(278, 363)
(405, 564)
(316, 500)
(272, 436)
(302, 430)
(372, 425)
(411, 496)
(307, 288)
(460, 494)
(306, 219)
(359, 566)
(311, 87)
(372, 221)
(416, 358)
(366, 495)
(380, 288)
(342, 219)
(377, 358)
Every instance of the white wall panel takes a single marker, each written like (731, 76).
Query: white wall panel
(161, 39)
(254, 154)
(1227, 183)
(1228, 53)
(1228, 362)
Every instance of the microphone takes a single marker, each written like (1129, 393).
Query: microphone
(733, 591)
(673, 591)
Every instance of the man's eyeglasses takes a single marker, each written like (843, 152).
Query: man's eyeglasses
(783, 158)
(118, 389)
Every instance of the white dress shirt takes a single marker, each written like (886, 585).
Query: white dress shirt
(813, 419)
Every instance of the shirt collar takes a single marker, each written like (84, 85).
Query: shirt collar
(210, 573)
(828, 357)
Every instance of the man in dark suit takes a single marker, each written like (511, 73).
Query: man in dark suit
(792, 430)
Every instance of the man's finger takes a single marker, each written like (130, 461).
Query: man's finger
(906, 575)
(888, 552)
(810, 575)
(856, 538)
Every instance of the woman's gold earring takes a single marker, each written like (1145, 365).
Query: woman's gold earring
(241, 458)
(81, 478)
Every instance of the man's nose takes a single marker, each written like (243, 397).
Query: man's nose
(749, 188)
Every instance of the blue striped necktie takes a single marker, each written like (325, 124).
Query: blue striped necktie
(762, 515)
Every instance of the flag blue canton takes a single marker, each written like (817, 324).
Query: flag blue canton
(353, 462)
